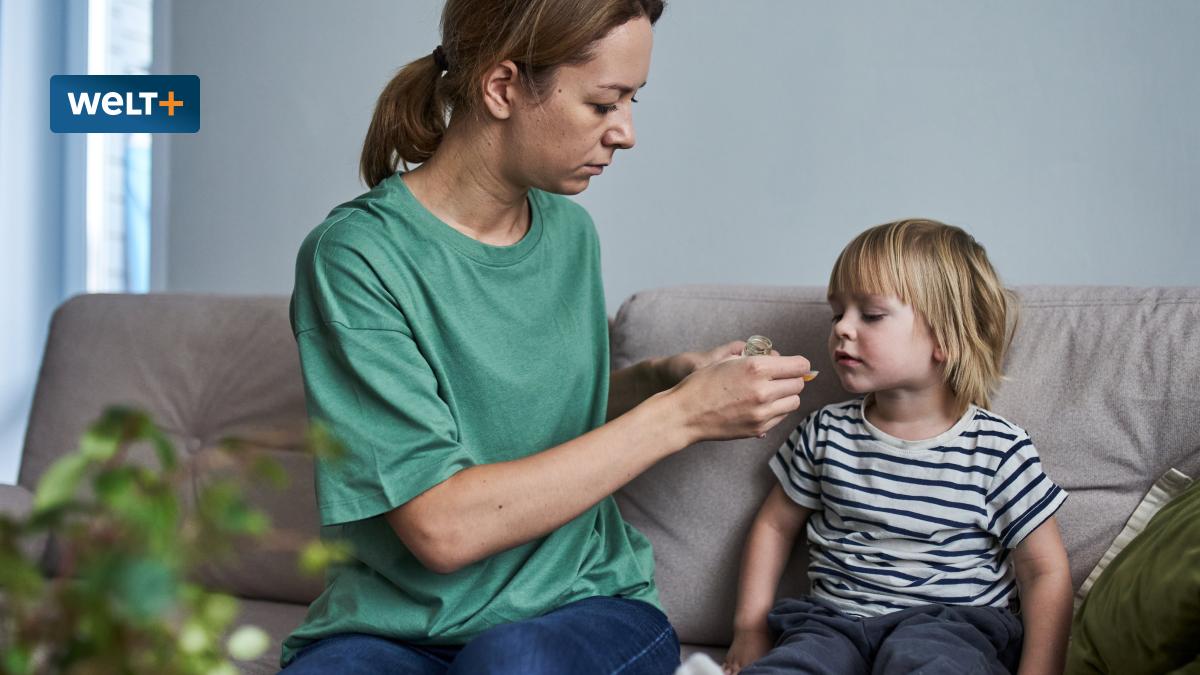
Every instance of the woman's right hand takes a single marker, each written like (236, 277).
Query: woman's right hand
(740, 397)
(748, 646)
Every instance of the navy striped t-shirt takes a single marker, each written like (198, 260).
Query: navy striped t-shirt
(899, 524)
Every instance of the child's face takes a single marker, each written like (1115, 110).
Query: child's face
(878, 343)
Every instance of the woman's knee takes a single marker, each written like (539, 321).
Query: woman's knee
(359, 654)
(524, 647)
(628, 642)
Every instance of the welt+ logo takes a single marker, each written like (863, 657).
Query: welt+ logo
(155, 104)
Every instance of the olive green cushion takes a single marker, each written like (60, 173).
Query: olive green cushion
(1143, 614)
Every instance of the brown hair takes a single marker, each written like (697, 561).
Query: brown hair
(943, 274)
(538, 35)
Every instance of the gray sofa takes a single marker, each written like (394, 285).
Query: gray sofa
(1105, 379)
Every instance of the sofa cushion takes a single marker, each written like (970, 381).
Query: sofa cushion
(205, 368)
(1166, 488)
(16, 502)
(1143, 614)
(1102, 378)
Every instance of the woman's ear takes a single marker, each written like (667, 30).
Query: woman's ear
(501, 87)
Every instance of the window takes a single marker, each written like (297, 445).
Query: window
(117, 211)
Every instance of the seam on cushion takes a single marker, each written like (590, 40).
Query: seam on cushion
(1023, 303)
(676, 293)
(1112, 303)
(774, 301)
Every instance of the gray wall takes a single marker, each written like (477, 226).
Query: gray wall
(1063, 134)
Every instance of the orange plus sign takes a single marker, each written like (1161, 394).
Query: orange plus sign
(171, 103)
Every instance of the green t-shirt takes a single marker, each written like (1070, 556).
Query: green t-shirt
(428, 352)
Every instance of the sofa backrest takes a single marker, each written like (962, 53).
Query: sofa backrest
(205, 368)
(1106, 381)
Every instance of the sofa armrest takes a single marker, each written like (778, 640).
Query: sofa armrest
(16, 502)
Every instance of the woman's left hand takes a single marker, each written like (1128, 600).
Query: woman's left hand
(673, 369)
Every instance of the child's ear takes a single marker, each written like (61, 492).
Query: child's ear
(939, 354)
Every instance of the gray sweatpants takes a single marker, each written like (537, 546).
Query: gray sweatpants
(813, 637)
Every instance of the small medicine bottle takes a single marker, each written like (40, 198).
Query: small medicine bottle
(757, 345)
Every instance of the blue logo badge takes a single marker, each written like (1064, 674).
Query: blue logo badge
(109, 104)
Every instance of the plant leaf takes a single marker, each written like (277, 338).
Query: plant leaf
(17, 660)
(218, 610)
(248, 643)
(60, 481)
(147, 587)
(269, 471)
(321, 442)
(162, 446)
(318, 555)
(101, 440)
(193, 639)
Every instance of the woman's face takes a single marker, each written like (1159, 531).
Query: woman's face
(559, 143)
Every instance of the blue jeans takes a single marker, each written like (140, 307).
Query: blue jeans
(595, 635)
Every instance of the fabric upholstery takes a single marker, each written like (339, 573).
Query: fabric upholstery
(1104, 379)
(16, 502)
(1143, 615)
(205, 368)
(1166, 488)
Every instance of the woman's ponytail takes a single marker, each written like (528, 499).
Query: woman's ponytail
(540, 35)
(409, 121)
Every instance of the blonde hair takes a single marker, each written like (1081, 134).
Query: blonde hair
(538, 35)
(944, 275)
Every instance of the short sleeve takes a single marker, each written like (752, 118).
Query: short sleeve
(1021, 496)
(794, 464)
(366, 379)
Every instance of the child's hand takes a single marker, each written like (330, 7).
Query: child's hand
(748, 646)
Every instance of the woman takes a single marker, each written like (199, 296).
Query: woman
(452, 332)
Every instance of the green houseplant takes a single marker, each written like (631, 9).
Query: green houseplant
(126, 547)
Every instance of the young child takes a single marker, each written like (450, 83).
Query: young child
(925, 513)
